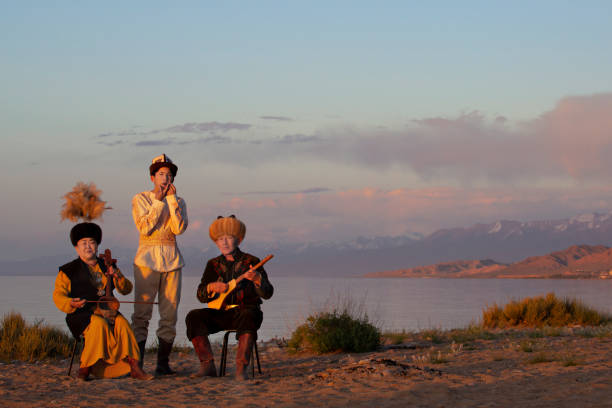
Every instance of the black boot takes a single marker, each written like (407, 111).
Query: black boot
(163, 352)
(141, 347)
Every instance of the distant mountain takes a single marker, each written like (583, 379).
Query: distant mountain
(505, 241)
(578, 261)
(456, 269)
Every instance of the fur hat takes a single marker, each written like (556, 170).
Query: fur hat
(227, 226)
(85, 230)
(162, 161)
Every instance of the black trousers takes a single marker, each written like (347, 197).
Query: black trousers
(202, 322)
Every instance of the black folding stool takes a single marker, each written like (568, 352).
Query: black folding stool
(76, 343)
(254, 354)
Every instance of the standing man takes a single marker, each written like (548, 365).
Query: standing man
(159, 216)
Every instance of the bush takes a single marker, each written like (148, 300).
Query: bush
(327, 332)
(542, 311)
(24, 342)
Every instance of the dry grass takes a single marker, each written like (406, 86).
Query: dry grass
(543, 311)
(31, 342)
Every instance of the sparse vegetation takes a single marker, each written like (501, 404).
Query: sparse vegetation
(439, 356)
(439, 336)
(436, 336)
(542, 311)
(541, 357)
(526, 346)
(471, 333)
(31, 342)
(570, 360)
(396, 337)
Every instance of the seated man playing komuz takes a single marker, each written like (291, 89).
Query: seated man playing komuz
(241, 309)
(109, 350)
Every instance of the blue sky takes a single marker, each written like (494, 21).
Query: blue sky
(305, 119)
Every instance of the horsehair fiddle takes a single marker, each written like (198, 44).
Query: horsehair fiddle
(108, 298)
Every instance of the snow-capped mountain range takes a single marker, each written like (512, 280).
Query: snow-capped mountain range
(505, 241)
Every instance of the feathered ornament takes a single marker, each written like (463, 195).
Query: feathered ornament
(83, 202)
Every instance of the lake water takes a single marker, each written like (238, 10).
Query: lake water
(395, 304)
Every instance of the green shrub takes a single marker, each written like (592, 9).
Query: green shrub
(25, 342)
(542, 311)
(327, 332)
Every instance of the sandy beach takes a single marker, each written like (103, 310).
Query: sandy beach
(569, 370)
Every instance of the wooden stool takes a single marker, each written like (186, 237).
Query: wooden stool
(254, 354)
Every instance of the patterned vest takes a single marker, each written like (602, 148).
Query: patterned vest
(81, 286)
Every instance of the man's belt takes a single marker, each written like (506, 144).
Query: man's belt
(158, 238)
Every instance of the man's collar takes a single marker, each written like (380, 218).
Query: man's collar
(237, 254)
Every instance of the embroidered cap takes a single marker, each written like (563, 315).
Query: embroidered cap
(162, 161)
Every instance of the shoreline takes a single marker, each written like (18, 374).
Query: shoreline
(564, 367)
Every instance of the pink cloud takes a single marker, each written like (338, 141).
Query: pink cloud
(578, 133)
(573, 141)
(376, 212)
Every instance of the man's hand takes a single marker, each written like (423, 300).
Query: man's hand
(112, 272)
(77, 303)
(253, 276)
(161, 191)
(171, 190)
(218, 287)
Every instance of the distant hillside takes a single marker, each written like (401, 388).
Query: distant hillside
(578, 261)
(456, 269)
(504, 241)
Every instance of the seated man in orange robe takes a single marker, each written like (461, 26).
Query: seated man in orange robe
(110, 350)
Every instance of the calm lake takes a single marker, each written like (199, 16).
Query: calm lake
(395, 304)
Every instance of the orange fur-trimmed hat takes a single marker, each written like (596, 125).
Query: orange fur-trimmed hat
(227, 226)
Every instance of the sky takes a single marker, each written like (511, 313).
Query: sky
(311, 121)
